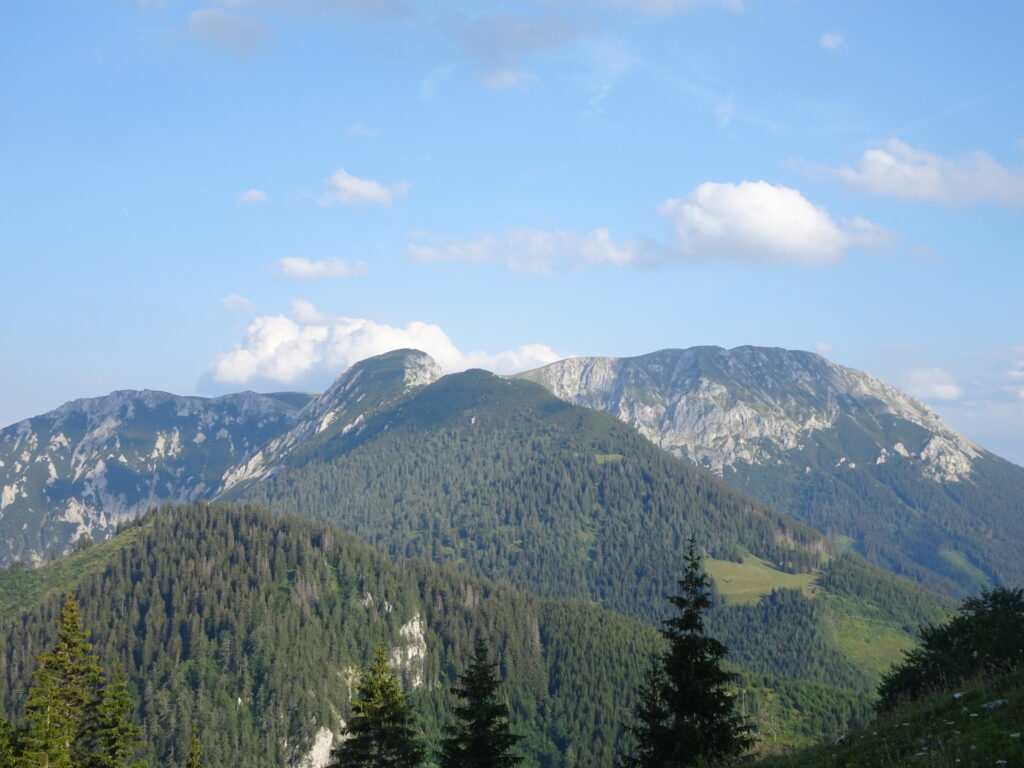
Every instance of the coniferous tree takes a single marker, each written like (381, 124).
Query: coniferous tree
(116, 737)
(195, 751)
(651, 730)
(7, 744)
(63, 699)
(685, 716)
(482, 738)
(381, 732)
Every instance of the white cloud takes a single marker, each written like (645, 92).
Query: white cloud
(344, 188)
(288, 349)
(362, 131)
(750, 221)
(236, 302)
(533, 251)
(931, 384)
(331, 269)
(306, 313)
(761, 222)
(238, 35)
(832, 41)
(898, 169)
(824, 348)
(253, 197)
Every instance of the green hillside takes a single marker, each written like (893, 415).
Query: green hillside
(254, 628)
(981, 723)
(831, 446)
(499, 478)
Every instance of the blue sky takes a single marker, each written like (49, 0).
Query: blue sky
(252, 194)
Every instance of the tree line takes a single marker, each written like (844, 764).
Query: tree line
(76, 717)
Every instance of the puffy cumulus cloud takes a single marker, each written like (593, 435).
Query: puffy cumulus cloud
(288, 349)
(345, 189)
(253, 197)
(305, 312)
(931, 384)
(761, 222)
(238, 35)
(276, 348)
(533, 251)
(326, 269)
(898, 169)
(751, 221)
(831, 41)
(824, 348)
(239, 303)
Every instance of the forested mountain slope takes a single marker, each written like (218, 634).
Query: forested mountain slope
(498, 477)
(254, 629)
(831, 446)
(90, 464)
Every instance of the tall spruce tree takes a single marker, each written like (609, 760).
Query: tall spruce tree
(481, 738)
(381, 733)
(7, 744)
(685, 715)
(195, 751)
(115, 737)
(63, 699)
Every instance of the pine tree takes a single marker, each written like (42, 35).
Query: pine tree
(7, 744)
(195, 751)
(482, 739)
(685, 716)
(63, 698)
(116, 738)
(381, 732)
(650, 731)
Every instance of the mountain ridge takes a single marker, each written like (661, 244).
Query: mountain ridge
(834, 447)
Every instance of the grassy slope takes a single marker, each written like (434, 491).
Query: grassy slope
(938, 731)
(745, 583)
(22, 587)
(872, 641)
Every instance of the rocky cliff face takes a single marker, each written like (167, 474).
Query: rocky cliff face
(721, 407)
(829, 445)
(79, 470)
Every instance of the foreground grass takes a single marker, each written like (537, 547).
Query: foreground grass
(951, 729)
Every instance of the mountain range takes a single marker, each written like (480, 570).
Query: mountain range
(575, 485)
(871, 467)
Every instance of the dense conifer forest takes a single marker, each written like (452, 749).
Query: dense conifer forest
(500, 479)
(255, 629)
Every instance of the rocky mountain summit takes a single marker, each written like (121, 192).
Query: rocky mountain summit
(720, 408)
(79, 470)
(832, 446)
(359, 391)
